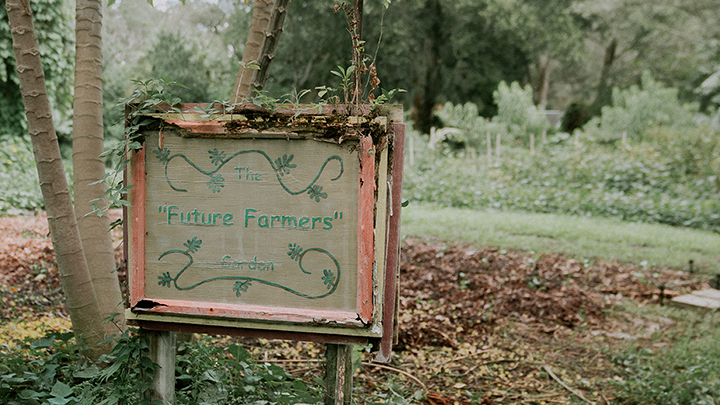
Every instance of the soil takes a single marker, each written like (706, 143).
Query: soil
(476, 325)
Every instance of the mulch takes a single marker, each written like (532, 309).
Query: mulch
(450, 293)
(475, 324)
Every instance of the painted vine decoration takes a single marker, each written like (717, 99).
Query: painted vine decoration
(281, 166)
(330, 278)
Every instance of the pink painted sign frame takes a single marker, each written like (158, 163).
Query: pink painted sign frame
(341, 322)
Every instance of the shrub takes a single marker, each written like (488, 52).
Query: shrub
(19, 186)
(517, 117)
(517, 111)
(636, 184)
(473, 128)
(638, 109)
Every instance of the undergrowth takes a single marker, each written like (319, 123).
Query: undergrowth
(19, 188)
(685, 371)
(639, 183)
(50, 370)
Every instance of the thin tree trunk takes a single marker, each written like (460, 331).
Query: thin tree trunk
(256, 36)
(604, 91)
(88, 167)
(428, 80)
(79, 293)
(267, 51)
(543, 89)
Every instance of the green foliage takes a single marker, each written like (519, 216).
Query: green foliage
(170, 56)
(517, 117)
(125, 379)
(207, 373)
(19, 188)
(53, 27)
(50, 370)
(657, 184)
(638, 109)
(35, 372)
(517, 111)
(684, 372)
(473, 127)
(145, 99)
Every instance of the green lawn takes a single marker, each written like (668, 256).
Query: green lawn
(580, 237)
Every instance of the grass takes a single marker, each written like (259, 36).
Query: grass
(581, 237)
(678, 365)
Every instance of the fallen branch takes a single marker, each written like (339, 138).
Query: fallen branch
(397, 370)
(577, 394)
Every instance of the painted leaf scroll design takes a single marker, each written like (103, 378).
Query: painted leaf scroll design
(329, 278)
(317, 193)
(281, 166)
(217, 157)
(216, 183)
(241, 286)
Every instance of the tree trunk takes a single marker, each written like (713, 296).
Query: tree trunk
(543, 88)
(256, 36)
(89, 168)
(77, 285)
(267, 51)
(604, 91)
(428, 81)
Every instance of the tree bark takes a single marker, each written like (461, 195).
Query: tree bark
(77, 285)
(543, 89)
(428, 80)
(604, 91)
(89, 168)
(267, 51)
(256, 36)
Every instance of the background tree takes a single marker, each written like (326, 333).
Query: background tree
(171, 58)
(54, 31)
(547, 34)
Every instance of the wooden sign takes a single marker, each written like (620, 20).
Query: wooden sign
(267, 222)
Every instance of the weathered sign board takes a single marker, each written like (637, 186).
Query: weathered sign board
(281, 224)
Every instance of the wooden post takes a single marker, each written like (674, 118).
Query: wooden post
(489, 145)
(498, 145)
(532, 143)
(544, 136)
(624, 138)
(162, 352)
(339, 374)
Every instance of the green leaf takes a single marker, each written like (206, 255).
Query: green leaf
(61, 390)
(146, 362)
(43, 342)
(90, 372)
(238, 352)
(59, 400)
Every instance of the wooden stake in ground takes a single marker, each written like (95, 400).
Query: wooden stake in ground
(339, 374)
(163, 349)
(79, 293)
(488, 141)
(532, 143)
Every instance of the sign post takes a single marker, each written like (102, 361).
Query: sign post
(279, 224)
